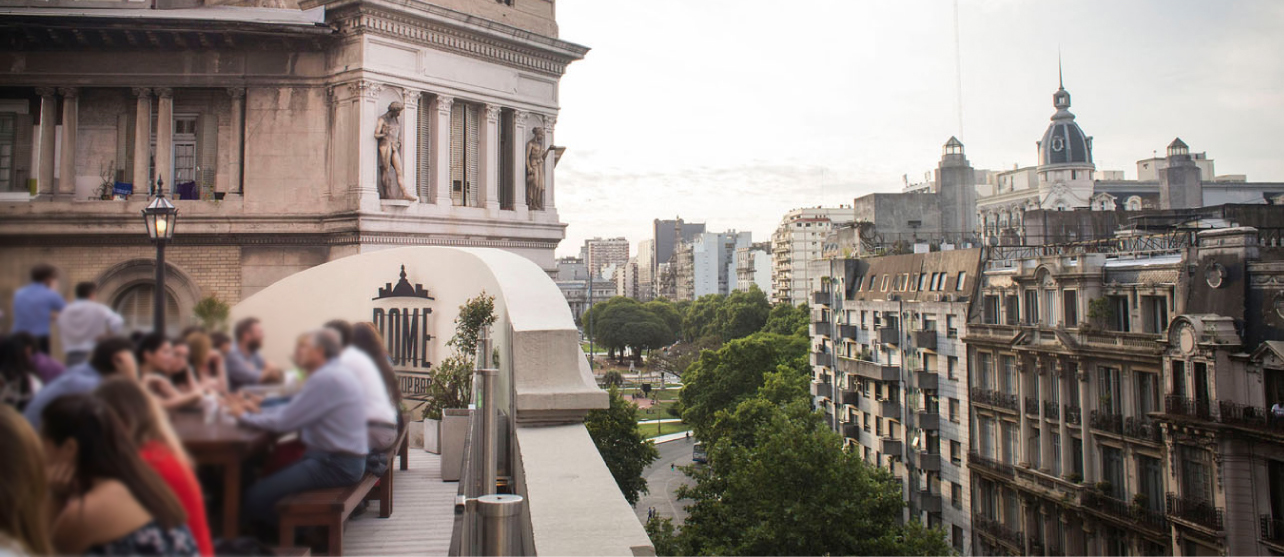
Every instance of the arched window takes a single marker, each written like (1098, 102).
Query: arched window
(1133, 203)
(135, 305)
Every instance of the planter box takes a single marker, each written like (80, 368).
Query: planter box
(454, 432)
(431, 435)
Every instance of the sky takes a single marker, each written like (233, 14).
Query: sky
(733, 112)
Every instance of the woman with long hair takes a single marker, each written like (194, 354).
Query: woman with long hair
(367, 339)
(107, 501)
(147, 426)
(18, 382)
(24, 516)
(206, 361)
(162, 373)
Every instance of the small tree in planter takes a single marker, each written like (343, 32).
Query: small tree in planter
(450, 387)
(213, 313)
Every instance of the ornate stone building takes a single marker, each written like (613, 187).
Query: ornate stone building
(262, 125)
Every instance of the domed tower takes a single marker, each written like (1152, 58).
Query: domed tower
(1065, 159)
(956, 192)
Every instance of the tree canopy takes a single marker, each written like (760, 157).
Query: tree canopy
(622, 322)
(615, 432)
(786, 319)
(721, 379)
(725, 318)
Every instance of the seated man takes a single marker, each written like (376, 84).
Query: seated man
(111, 356)
(245, 366)
(330, 415)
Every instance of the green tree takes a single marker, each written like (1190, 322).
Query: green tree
(741, 314)
(450, 384)
(663, 536)
(615, 432)
(668, 312)
(621, 322)
(787, 319)
(698, 321)
(778, 483)
(721, 379)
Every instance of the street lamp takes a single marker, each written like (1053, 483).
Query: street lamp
(159, 217)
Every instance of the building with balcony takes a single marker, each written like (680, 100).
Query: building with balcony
(797, 242)
(942, 212)
(753, 267)
(887, 334)
(261, 124)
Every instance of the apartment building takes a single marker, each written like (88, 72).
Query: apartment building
(890, 374)
(796, 242)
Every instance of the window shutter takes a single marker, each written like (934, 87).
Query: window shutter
(207, 153)
(474, 153)
(23, 145)
(424, 161)
(457, 153)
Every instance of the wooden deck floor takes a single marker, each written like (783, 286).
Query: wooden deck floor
(422, 514)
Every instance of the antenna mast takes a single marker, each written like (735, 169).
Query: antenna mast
(958, 67)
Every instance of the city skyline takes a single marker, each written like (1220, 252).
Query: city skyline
(1140, 74)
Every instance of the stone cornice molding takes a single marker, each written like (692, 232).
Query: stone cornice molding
(551, 61)
(275, 239)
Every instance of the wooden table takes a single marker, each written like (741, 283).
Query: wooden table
(226, 445)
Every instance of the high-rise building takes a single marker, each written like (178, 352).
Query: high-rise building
(890, 373)
(665, 237)
(601, 254)
(753, 267)
(797, 241)
(646, 273)
(707, 265)
(626, 279)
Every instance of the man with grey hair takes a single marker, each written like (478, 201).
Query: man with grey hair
(329, 414)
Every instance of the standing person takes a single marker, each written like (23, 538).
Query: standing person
(112, 356)
(330, 415)
(161, 371)
(35, 304)
(148, 427)
(24, 516)
(381, 417)
(107, 501)
(18, 382)
(83, 321)
(245, 366)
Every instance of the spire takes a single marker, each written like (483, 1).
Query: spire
(1061, 82)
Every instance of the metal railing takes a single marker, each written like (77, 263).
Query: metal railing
(1272, 529)
(1145, 429)
(1139, 244)
(1073, 414)
(1103, 421)
(975, 460)
(1185, 406)
(1032, 406)
(1140, 515)
(1051, 410)
(997, 530)
(1198, 511)
(994, 398)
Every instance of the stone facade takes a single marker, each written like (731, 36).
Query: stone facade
(795, 244)
(267, 145)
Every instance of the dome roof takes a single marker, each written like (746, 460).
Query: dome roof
(1064, 142)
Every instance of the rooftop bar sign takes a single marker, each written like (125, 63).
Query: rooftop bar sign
(403, 315)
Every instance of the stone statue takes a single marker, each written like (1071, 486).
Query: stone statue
(388, 134)
(536, 155)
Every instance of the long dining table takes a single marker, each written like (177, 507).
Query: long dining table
(226, 445)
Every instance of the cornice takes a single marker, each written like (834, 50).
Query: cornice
(549, 60)
(270, 239)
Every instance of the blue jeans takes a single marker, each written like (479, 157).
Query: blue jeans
(316, 470)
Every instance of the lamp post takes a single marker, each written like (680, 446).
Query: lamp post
(159, 216)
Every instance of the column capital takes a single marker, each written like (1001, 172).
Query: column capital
(236, 92)
(68, 92)
(492, 112)
(521, 117)
(46, 91)
(410, 98)
(444, 104)
(141, 91)
(550, 120)
(164, 92)
(366, 89)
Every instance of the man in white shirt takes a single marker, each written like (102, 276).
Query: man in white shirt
(84, 321)
(381, 417)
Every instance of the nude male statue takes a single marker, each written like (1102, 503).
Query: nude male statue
(388, 135)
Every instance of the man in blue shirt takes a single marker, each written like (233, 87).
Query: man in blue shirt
(35, 304)
(330, 416)
(111, 356)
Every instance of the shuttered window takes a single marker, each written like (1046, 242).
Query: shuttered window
(207, 153)
(506, 192)
(464, 152)
(8, 140)
(135, 306)
(423, 162)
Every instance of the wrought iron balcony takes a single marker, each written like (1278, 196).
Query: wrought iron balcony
(929, 420)
(928, 380)
(1197, 511)
(997, 530)
(1136, 514)
(1184, 406)
(1073, 416)
(1145, 429)
(1032, 406)
(924, 339)
(889, 335)
(1112, 423)
(1272, 529)
(869, 370)
(975, 460)
(994, 398)
(1051, 410)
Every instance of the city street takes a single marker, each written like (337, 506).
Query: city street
(664, 482)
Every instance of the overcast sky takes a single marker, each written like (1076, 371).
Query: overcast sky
(733, 112)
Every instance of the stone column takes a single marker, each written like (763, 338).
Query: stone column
(67, 162)
(520, 137)
(410, 142)
(165, 138)
(490, 159)
(1067, 466)
(441, 149)
(48, 129)
(550, 120)
(1090, 475)
(236, 141)
(142, 139)
(369, 111)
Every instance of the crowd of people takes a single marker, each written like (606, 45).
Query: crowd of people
(92, 462)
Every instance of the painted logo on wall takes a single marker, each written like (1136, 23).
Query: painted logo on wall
(403, 315)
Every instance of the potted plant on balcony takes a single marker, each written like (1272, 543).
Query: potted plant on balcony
(450, 387)
(1139, 502)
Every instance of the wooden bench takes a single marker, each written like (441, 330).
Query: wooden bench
(330, 507)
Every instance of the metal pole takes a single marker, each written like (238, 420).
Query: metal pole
(158, 311)
(500, 517)
(489, 414)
